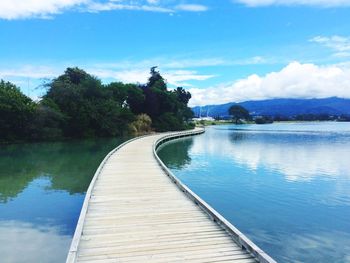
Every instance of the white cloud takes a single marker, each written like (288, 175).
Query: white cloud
(179, 77)
(175, 71)
(167, 63)
(339, 44)
(153, 2)
(192, 8)
(129, 76)
(173, 77)
(296, 80)
(30, 78)
(98, 7)
(22, 9)
(181, 63)
(35, 72)
(318, 3)
(148, 5)
(185, 63)
(17, 9)
(250, 61)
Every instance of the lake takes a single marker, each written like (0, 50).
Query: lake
(285, 185)
(42, 189)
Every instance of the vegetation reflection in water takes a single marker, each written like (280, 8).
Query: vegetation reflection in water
(286, 186)
(42, 188)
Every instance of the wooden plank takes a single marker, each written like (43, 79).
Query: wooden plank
(134, 213)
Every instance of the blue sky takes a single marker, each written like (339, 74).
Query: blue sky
(223, 50)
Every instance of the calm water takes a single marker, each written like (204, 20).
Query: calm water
(286, 186)
(42, 188)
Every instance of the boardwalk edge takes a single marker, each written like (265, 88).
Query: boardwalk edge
(235, 234)
(72, 253)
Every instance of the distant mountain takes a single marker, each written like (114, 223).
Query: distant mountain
(282, 107)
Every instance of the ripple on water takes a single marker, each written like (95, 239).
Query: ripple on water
(284, 185)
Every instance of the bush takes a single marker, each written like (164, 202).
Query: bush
(142, 124)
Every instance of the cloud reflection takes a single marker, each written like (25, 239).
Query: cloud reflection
(24, 242)
(298, 156)
(302, 247)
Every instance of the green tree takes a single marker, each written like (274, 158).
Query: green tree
(78, 105)
(16, 113)
(238, 113)
(46, 123)
(167, 108)
(127, 95)
(183, 97)
(90, 109)
(156, 80)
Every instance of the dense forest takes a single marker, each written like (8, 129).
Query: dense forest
(79, 105)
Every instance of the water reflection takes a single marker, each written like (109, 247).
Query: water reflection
(285, 186)
(25, 242)
(39, 205)
(181, 148)
(327, 246)
(42, 187)
(296, 155)
(69, 165)
(323, 247)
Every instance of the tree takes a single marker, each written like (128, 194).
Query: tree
(78, 105)
(127, 95)
(136, 99)
(90, 108)
(167, 108)
(46, 123)
(238, 113)
(156, 80)
(16, 112)
(182, 95)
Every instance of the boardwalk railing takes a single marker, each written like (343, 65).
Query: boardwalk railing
(236, 235)
(72, 253)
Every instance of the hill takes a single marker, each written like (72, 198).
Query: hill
(281, 107)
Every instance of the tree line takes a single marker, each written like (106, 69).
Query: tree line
(240, 114)
(79, 105)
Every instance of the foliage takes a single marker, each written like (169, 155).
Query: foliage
(90, 108)
(142, 124)
(78, 105)
(344, 118)
(16, 112)
(263, 120)
(168, 109)
(46, 123)
(68, 165)
(238, 113)
(176, 155)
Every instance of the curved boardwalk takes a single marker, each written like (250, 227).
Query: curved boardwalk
(133, 212)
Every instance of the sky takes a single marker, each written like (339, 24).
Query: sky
(220, 50)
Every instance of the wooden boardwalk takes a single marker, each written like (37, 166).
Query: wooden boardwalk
(133, 212)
